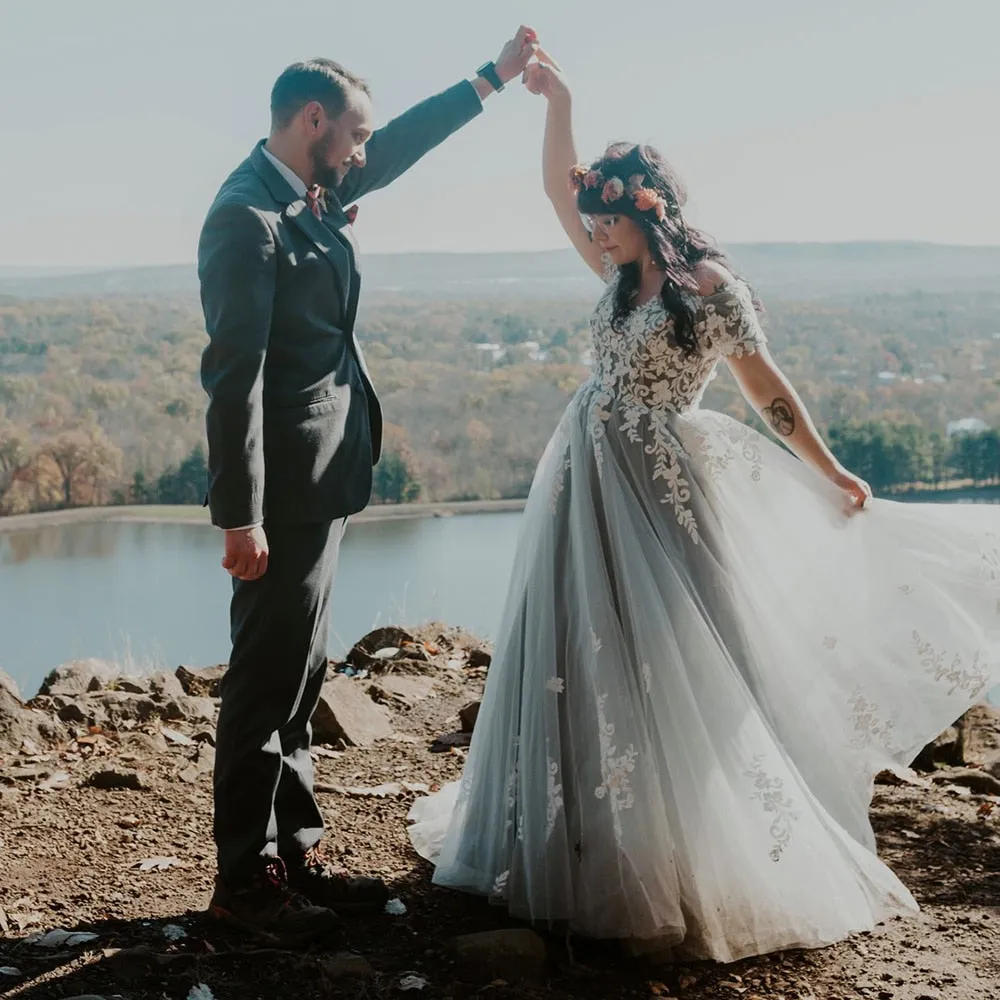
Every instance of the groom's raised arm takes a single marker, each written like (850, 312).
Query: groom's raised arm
(393, 149)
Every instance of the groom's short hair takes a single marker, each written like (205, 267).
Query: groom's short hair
(321, 80)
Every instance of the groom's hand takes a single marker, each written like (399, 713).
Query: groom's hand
(246, 553)
(516, 53)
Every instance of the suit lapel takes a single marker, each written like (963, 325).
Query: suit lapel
(334, 247)
(327, 242)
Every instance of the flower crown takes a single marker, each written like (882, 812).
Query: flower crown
(646, 199)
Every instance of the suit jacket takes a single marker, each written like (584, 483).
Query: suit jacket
(294, 424)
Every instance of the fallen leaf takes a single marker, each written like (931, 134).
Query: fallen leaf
(59, 938)
(395, 908)
(985, 809)
(10, 970)
(155, 864)
(200, 992)
(411, 983)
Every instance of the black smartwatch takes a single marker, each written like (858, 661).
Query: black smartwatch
(488, 71)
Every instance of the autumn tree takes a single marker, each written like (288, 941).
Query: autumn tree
(86, 461)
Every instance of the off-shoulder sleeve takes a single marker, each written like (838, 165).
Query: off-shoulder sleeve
(731, 324)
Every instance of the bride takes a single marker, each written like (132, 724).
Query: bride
(708, 648)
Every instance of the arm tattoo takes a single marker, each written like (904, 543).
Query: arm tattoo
(781, 417)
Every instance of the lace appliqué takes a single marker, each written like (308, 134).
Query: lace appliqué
(972, 680)
(989, 557)
(733, 440)
(499, 887)
(615, 786)
(554, 797)
(642, 374)
(557, 685)
(770, 791)
(510, 792)
(561, 446)
(869, 726)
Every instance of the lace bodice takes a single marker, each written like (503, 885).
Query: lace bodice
(642, 369)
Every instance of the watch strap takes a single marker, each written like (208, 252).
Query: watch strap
(488, 71)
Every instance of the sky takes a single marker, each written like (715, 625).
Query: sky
(789, 120)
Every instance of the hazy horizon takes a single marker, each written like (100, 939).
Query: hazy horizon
(859, 123)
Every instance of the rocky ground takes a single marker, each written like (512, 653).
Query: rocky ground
(106, 859)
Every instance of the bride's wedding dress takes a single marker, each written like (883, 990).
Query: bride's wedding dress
(703, 662)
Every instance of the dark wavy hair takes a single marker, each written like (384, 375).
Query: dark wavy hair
(677, 248)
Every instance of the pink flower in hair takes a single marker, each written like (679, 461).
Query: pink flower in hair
(591, 179)
(613, 190)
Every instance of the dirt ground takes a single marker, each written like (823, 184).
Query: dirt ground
(134, 866)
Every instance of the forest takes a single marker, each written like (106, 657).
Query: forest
(100, 400)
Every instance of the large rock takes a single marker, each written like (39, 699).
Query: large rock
(946, 748)
(165, 685)
(345, 712)
(113, 778)
(513, 953)
(190, 709)
(9, 684)
(79, 677)
(387, 648)
(979, 733)
(468, 715)
(201, 682)
(18, 723)
(402, 689)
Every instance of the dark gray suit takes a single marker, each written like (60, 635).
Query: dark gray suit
(294, 428)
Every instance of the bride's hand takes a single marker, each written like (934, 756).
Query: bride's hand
(546, 77)
(858, 492)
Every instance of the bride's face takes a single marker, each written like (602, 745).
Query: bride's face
(618, 236)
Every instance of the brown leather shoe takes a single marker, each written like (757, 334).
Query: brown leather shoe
(267, 907)
(326, 884)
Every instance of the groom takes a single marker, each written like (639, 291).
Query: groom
(294, 428)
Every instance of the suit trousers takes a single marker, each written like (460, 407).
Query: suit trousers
(264, 801)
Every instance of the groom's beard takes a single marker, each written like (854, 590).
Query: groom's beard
(323, 174)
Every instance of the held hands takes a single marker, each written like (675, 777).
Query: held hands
(515, 54)
(545, 76)
(246, 553)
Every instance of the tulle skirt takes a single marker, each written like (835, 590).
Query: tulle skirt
(703, 661)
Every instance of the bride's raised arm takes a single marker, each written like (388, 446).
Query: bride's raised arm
(546, 77)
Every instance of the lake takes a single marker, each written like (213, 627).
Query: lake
(155, 595)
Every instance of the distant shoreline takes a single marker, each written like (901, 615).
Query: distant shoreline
(163, 514)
